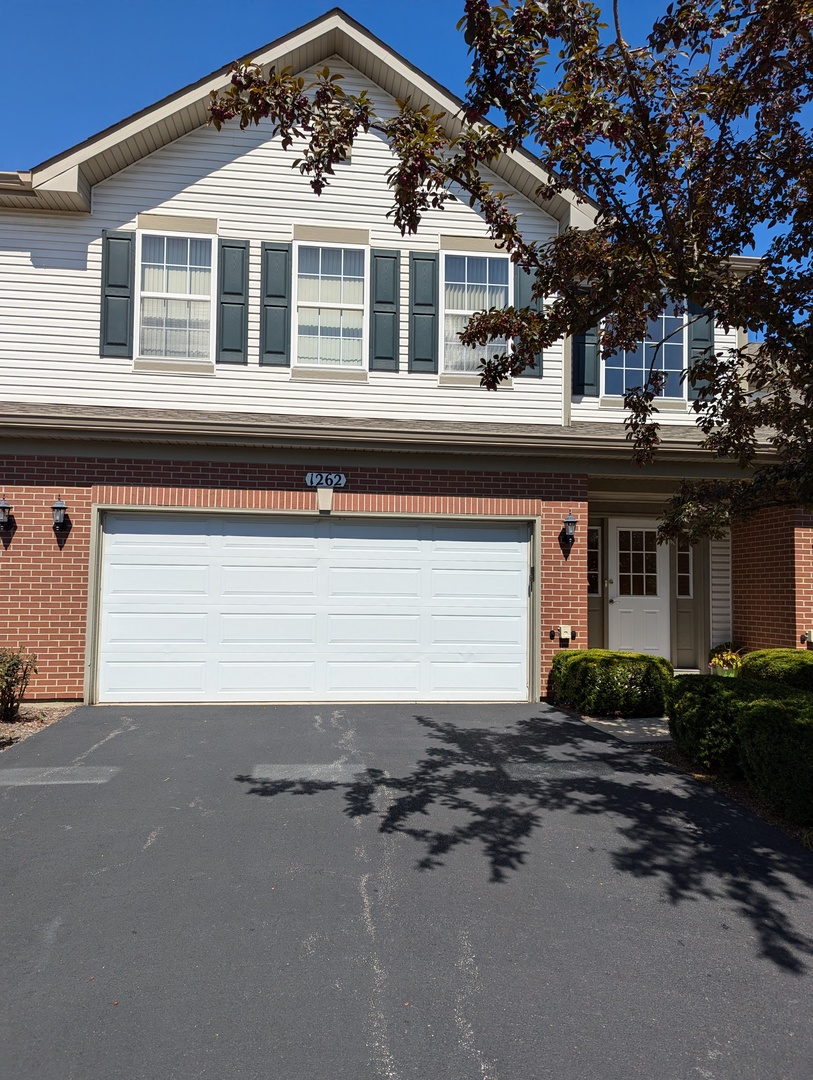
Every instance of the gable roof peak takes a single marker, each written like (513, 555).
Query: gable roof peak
(64, 182)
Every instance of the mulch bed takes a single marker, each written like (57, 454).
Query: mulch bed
(34, 718)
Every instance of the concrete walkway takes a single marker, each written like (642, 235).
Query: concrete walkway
(645, 729)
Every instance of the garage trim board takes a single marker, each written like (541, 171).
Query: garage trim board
(217, 606)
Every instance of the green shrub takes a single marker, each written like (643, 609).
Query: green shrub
(16, 668)
(704, 717)
(794, 667)
(776, 743)
(604, 683)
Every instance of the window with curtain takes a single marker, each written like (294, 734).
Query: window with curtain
(472, 283)
(176, 280)
(330, 307)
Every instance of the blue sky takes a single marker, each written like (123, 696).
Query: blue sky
(73, 67)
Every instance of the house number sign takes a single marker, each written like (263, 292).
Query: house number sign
(325, 479)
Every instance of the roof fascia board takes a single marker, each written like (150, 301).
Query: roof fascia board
(563, 445)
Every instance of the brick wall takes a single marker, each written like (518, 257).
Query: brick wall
(772, 578)
(45, 579)
(803, 561)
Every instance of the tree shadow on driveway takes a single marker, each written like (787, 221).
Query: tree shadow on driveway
(495, 787)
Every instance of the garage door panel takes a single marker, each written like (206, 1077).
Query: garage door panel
(269, 581)
(493, 541)
(271, 609)
(486, 584)
(365, 629)
(136, 628)
(480, 676)
(148, 533)
(152, 579)
(373, 582)
(260, 630)
(252, 535)
(497, 631)
(266, 680)
(155, 674)
(374, 676)
(380, 540)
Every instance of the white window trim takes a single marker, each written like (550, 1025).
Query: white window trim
(163, 360)
(462, 253)
(676, 401)
(365, 307)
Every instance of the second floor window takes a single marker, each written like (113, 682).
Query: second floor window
(330, 307)
(472, 283)
(176, 280)
(664, 349)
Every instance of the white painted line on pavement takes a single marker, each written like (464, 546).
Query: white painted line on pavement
(64, 774)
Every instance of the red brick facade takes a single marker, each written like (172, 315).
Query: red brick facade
(45, 579)
(772, 578)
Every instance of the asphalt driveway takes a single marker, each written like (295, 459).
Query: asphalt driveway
(442, 892)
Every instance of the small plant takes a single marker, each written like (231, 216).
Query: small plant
(16, 668)
(725, 659)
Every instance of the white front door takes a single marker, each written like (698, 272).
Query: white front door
(638, 587)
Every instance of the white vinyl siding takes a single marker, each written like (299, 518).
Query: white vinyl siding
(216, 607)
(721, 627)
(50, 273)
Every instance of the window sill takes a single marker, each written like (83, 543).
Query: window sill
(464, 378)
(177, 367)
(675, 405)
(317, 374)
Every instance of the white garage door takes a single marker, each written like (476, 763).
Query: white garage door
(226, 608)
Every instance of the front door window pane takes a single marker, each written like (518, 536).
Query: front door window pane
(637, 562)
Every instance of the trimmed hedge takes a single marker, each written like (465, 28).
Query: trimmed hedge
(704, 716)
(794, 667)
(600, 682)
(776, 745)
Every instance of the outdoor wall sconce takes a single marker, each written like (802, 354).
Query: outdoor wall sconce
(569, 531)
(5, 515)
(59, 509)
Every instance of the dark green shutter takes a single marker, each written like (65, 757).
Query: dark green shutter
(701, 340)
(523, 284)
(586, 363)
(384, 307)
(118, 282)
(232, 302)
(275, 316)
(423, 311)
